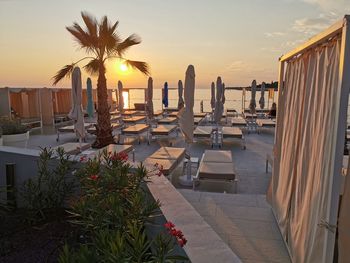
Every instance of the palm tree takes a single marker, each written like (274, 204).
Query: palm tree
(101, 42)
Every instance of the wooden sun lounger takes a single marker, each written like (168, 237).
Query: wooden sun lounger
(73, 148)
(168, 157)
(134, 119)
(203, 131)
(115, 112)
(136, 131)
(70, 129)
(216, 166)
(115, 118)
(167, 120)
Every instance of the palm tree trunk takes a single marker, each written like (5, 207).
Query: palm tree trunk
(103, 127)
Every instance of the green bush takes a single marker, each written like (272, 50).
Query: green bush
(49, 190)
(10, 127)
(113, 210)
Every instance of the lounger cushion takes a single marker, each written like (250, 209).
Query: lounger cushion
(73, 147)
(217, 171)
(170, 153)
(196, 120)
(203, 131)
(163, 129)
(70, 128)
(168, 165)
(168, 120)
(173, 114)
(130, 112)
(200, 114)
(232, 132)
(266, 122)
(135, 129)
(158, 113)
(238, 121)
(134, 119)
(217, 156)
(115, 126)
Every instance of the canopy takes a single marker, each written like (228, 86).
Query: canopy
(150, 98)
(212, 100)
(262, 99)
(252, 104)
(180, 103)
(186, 116)
(76, 113)
(219, 107)
(165, 95)
(90, 103)
(120, 96)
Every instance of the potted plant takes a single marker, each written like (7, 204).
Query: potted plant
(13, 131)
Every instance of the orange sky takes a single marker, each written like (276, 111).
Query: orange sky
(239, 40)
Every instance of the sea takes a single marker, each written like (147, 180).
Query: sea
(234, 99)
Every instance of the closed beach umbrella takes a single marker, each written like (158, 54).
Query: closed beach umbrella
(90, 103)
(120, 96)
(150, 98)
(180, 104)
(212, 100)
(165, 95)
(262, 99)
(76, 113)
(219, 108)
(252, 104)
(186, 116)
(223, 93)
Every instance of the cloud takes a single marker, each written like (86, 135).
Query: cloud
(311, 26)
(339, 6)
(274, 34)
(236, 66)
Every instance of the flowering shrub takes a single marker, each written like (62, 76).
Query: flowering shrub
(113, 210)
(176, 233)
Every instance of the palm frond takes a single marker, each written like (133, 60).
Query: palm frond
(92, 67)
(139, 65)
(127, 43)
(83, 38)
(91, 23)
(64, 72)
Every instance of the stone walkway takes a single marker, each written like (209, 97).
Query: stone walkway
(244, 221)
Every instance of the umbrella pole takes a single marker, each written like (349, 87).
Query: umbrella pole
(186, 178)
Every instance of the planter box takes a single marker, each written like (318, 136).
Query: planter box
(13, 138)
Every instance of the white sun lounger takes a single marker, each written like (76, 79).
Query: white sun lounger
(265, 123)
(216, 166)
(164, 131)
(167, 120)
(204, 133)
(136, 131)
(73, 148)
(168, 157)
(233, 133)
(70, 129)
(111, 148)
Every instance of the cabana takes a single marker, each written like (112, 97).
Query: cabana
(308, 154)
(22, 104)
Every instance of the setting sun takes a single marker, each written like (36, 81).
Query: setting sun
(123, 67)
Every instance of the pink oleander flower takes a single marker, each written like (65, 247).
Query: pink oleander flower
(169, 225)
(94, 177)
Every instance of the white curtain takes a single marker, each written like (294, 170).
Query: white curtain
(303, 175)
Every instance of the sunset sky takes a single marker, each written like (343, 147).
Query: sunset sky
(239, 40)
